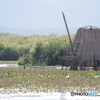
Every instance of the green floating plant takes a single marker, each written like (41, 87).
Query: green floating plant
(68, 74)
(19, 74)
(94, 74)
(57, 75)
(44, 75)
(8, 74)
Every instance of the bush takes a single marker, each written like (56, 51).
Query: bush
(9, 54)
(24, 60)
(38, 55)
(2, 47)
(48, 52)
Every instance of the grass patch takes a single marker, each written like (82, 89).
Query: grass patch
(43, 79)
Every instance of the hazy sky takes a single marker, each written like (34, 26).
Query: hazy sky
(41, 14)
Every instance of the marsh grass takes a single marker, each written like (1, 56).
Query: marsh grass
(44, 80)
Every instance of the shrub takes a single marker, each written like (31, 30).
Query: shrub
(9, 54)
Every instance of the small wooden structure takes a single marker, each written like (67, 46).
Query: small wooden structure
(86, 46)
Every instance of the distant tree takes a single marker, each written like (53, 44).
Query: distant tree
(22, 51)
(37, 55)
(10, 54)
(2, 47)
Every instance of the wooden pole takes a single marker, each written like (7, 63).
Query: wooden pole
(68, 34)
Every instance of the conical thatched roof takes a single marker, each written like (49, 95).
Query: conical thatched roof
(86, 47)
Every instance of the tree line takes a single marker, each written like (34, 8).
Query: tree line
(34, 50)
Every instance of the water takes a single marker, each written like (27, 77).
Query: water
(17, 66)
(36, 96)
(9, 66)
(3, 65)
(45, 96)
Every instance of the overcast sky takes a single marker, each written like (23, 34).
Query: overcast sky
(42, 14)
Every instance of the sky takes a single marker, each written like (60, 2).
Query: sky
(44, 14)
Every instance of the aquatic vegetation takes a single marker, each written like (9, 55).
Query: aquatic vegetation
(45, 79)
(94, 74)
(8, 74)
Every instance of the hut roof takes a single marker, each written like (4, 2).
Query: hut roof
(88, 27)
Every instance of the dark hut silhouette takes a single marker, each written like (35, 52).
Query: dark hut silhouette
(86, 47)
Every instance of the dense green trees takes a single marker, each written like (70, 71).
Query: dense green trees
(8, 53)
(34, 50)
(1, 51)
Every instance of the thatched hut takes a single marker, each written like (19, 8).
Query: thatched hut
(86, 46)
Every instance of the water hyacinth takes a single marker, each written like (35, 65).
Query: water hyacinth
(94, 74)
(8, 74)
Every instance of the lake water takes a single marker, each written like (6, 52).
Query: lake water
(9, 65)
(45, 96)
(17, 66)
(50, 67)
